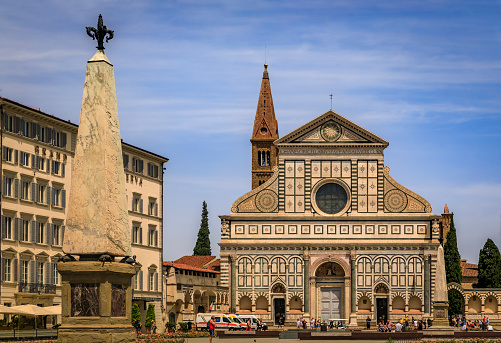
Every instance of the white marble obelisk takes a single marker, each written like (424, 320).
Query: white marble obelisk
(97, 218)
(440, 297)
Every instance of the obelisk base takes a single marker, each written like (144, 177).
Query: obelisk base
(96, 302)
(441, 315)
(353, 321)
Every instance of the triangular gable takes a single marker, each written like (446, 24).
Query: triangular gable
(331, 128)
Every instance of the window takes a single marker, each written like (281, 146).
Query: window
(153, 207)
(263, 158)
(7, 227)
(56, 167)
(40, 270)
(8, 122)
(40, 193)
(153, 281)
(40, 232)
(24, 158)
(7, 154)
(126, 161)
(7, 186)
(331, 198)
(137, 234)
(56, 230)
(40, 163)
(27, 129)
(7, 269)
(24, 230)
(25, 190)
(56, 274)
(24, 271)
(137, 165)
(153, 170)
(137, 203)
(56, 197)
(153, 236)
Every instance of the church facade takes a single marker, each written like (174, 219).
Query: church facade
(328, 233)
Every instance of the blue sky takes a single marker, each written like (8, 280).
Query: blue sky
(424, 75)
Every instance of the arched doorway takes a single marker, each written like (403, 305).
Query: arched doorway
(278, 295)
(330, 280)
(172, 317)
(201, 309)
(381, 293)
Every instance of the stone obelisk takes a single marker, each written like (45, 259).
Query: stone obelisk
(440, 297)
(96, 290)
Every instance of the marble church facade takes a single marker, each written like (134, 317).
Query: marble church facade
(330, 234)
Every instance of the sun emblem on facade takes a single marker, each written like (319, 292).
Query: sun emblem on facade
(330, 131)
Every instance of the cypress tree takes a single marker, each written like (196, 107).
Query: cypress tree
(453, 270)
(202, 248)
(150, 315)
(136, 313)
(489, 266)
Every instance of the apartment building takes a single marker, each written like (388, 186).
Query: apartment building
(37, 154)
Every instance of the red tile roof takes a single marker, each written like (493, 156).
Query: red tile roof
(469, 269)
(196, 261)
(188, 267)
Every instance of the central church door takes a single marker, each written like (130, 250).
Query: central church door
(330, 303)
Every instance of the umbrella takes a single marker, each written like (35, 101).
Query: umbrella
(8, 309)
(53, 310)
(30, 310)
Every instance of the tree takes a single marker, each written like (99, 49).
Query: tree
(202, 248)
(150, 316)
(136, 313)
(489, 266)
(453, 269)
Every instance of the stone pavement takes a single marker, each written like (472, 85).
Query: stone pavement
(271, 340)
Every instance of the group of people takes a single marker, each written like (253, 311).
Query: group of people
(138, 327)
(315, 324)
(484, 323)
(259, 326)
(403, 324)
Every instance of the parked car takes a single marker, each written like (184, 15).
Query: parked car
(254, 320)
(222, 321)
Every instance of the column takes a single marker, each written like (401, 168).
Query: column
(426, 284)
(353, 292)
(233, 283)
(306, 283)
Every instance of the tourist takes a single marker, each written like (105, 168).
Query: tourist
(280, 322)
(389, 325)
(489, 327)
(415, 323)
(153, 327)
(368, 321)
(398, 327)
(259, 325)
(298, 323)
(212, 326)
(312, 323)
(249, 325)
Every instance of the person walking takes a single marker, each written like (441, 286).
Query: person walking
(249, 325)
(212, 327)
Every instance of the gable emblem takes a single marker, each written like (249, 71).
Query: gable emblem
(330, 131)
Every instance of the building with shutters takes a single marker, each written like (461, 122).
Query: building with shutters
(329, 233)
(37, 153)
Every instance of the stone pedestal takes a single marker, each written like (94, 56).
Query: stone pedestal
(353, 324)
(441, 315)
(96, 302)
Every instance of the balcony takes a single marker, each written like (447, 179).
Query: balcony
(39, 288)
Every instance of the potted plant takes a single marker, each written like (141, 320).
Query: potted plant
(150, 317)
(170, 326)
(183, 326)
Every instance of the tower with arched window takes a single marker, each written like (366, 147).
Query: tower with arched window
(265, 132)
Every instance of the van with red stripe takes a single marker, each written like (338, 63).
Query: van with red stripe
(222, 321)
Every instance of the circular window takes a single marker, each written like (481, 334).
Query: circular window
(331, 198)
(264, 130)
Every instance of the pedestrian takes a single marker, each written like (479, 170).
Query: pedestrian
(153, 327)
(368, 321)
(249, 325)
(298, 323)
(190, 324)
(212, 327)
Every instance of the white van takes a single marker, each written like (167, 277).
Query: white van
(222, 321)
(245, 317)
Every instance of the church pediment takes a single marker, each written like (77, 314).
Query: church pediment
(333, 129)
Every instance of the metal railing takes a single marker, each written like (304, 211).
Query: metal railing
(35, 287)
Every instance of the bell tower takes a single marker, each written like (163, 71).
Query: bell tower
(264, 152)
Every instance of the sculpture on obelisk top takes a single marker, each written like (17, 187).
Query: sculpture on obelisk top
(100, 33)
(97, 217)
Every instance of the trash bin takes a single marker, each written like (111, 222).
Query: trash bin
(323, 327)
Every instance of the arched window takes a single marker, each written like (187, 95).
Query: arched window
(259, 158)
(267, 158)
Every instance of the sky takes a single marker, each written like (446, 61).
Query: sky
(424, 75)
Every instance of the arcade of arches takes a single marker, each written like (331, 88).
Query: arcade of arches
(479, 302)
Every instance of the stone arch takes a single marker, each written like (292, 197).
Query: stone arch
(295, 304)
(361, 294)
(474, 303)
(342, 263)
(187, 300)
(456, 286)
(398, 304)
(295, 294)
(278, 287)
(415, 304)
(364, 304)
(261, 304)
(330, 269)
(491, 304)
(381, 288)
(245, 304)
